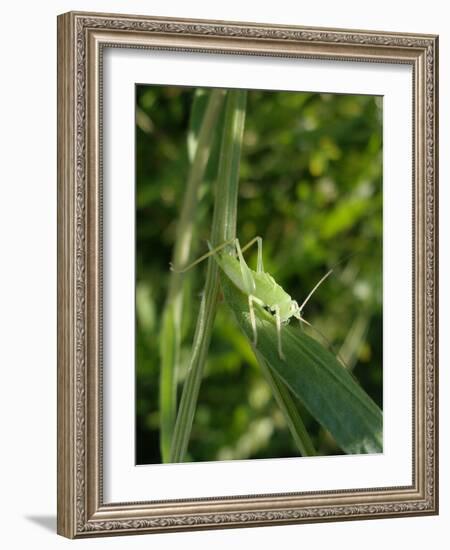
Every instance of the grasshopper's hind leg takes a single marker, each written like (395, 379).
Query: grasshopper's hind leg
(211, 252)
(259, 260)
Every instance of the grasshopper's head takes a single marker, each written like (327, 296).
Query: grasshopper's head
(295, 310)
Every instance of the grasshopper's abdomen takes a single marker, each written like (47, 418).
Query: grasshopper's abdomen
(272, 294)
(264, 286)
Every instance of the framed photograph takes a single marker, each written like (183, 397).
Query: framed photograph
(247, 274)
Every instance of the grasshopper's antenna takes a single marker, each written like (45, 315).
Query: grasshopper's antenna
(325, 339)
(204, 257)
(314, 289)
(324, 277)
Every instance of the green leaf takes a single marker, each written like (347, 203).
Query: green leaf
(196, 122)
(169, 351)
(223, 228)
(196, 117)
(330, 393)
(288, 408)
(205, 123)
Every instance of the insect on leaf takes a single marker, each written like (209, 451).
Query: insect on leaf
(330, 393)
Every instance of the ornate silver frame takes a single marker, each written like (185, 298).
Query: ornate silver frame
(81, 511)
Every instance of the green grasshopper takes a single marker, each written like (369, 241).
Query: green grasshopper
(259, 286)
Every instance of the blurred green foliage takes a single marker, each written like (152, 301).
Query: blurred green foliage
(311, 186)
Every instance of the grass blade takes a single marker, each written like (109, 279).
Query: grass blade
(223, 228)
(313, 374)
(206, 112)
(288, 407)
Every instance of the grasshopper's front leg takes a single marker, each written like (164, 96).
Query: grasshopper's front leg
(251, 300)
(254, 300)
(278, 322)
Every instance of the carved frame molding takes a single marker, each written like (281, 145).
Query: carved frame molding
(81, 38)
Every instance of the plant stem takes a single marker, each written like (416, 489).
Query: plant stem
(170, 338)
(223, 228)
(288, 407)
